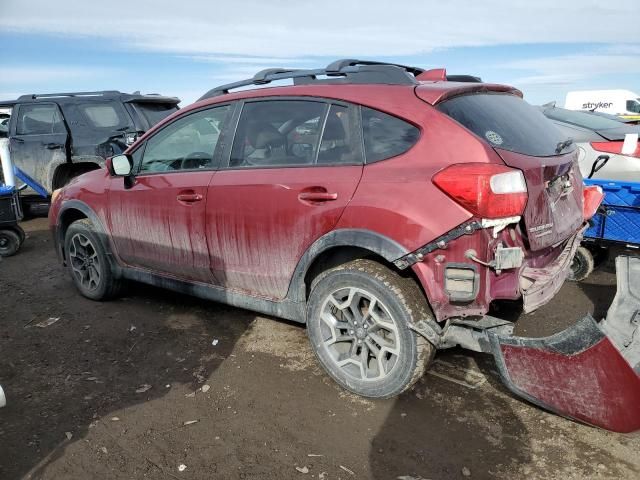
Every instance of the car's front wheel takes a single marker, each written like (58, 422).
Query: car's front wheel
(87, 261)
(358, 317)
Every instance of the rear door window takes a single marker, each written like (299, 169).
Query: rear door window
(506, 121)
(287, 133)
(40, 119)
(110, 116)
(386, 136)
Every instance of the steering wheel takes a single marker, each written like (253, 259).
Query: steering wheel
(196, 160)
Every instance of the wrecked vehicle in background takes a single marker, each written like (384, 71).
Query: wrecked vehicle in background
(385, 206)
(56, 137)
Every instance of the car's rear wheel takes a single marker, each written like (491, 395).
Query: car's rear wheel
(88, 264)
(358, 318)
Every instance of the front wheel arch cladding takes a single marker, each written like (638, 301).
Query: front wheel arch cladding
(100, 230)
(577, 373)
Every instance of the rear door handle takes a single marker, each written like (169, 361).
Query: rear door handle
(317, 196)
(53, 146)
(189, 197)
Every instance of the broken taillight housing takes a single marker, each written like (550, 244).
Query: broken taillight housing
(487, 190)
(615, 148)
(592, 198)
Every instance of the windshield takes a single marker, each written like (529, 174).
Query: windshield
(155, 112)
(582, 119)
(634, 105)
(507, 122)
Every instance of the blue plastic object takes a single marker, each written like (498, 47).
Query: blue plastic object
(619, 218)
(39, 189)
(6, 190)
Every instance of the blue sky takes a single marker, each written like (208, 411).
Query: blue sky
(545, 48)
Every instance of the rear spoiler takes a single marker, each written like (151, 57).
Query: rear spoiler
(152, 99)
(434, 93)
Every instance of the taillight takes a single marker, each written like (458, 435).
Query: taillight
(615, 148)
(487, 190)
(592, 198)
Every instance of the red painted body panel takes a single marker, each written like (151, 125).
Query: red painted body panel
(549, 206)
(596, 386)
(152, 229)
(258, 227)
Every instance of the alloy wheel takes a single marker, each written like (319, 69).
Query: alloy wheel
(359, 334)
(84, 261)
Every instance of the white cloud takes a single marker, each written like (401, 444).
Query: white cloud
(330, 28)
(569, 69)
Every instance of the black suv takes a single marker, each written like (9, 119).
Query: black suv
(56, 137)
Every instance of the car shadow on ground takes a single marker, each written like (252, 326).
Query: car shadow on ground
(443, 429)
(95, 358)
(155, 341)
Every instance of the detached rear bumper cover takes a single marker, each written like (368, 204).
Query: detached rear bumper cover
(589, 372)
(539, 285)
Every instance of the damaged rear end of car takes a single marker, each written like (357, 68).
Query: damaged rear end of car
(530, 209)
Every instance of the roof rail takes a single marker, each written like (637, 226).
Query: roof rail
(346, 71)
(70, 94)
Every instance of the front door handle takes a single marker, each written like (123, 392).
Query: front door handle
(189, 197)
(317, 195)
(53, 146)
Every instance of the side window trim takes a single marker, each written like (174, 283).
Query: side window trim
(215, 154)
(234, 122)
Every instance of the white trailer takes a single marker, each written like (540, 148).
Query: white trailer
(624, 103)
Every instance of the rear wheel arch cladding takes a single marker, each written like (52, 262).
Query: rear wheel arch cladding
(426, 324)
(373, 242)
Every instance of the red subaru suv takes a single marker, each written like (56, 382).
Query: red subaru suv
(384, 206)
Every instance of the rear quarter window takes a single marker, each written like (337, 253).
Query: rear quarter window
(507, 122)
(105, 115)
(386, 136)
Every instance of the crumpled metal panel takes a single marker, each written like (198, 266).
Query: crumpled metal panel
(540, 284)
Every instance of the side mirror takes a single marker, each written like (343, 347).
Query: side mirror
(121, 165)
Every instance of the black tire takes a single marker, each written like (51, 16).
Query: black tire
(582, 265)
(18, 229)
(87, 262)
(9, 242)
(397, 300)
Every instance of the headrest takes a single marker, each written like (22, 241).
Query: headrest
(334, 130)
(263, 135)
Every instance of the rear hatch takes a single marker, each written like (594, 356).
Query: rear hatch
(152, 110)
(525, 139)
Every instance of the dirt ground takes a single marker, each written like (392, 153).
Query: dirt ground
(137, 387)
